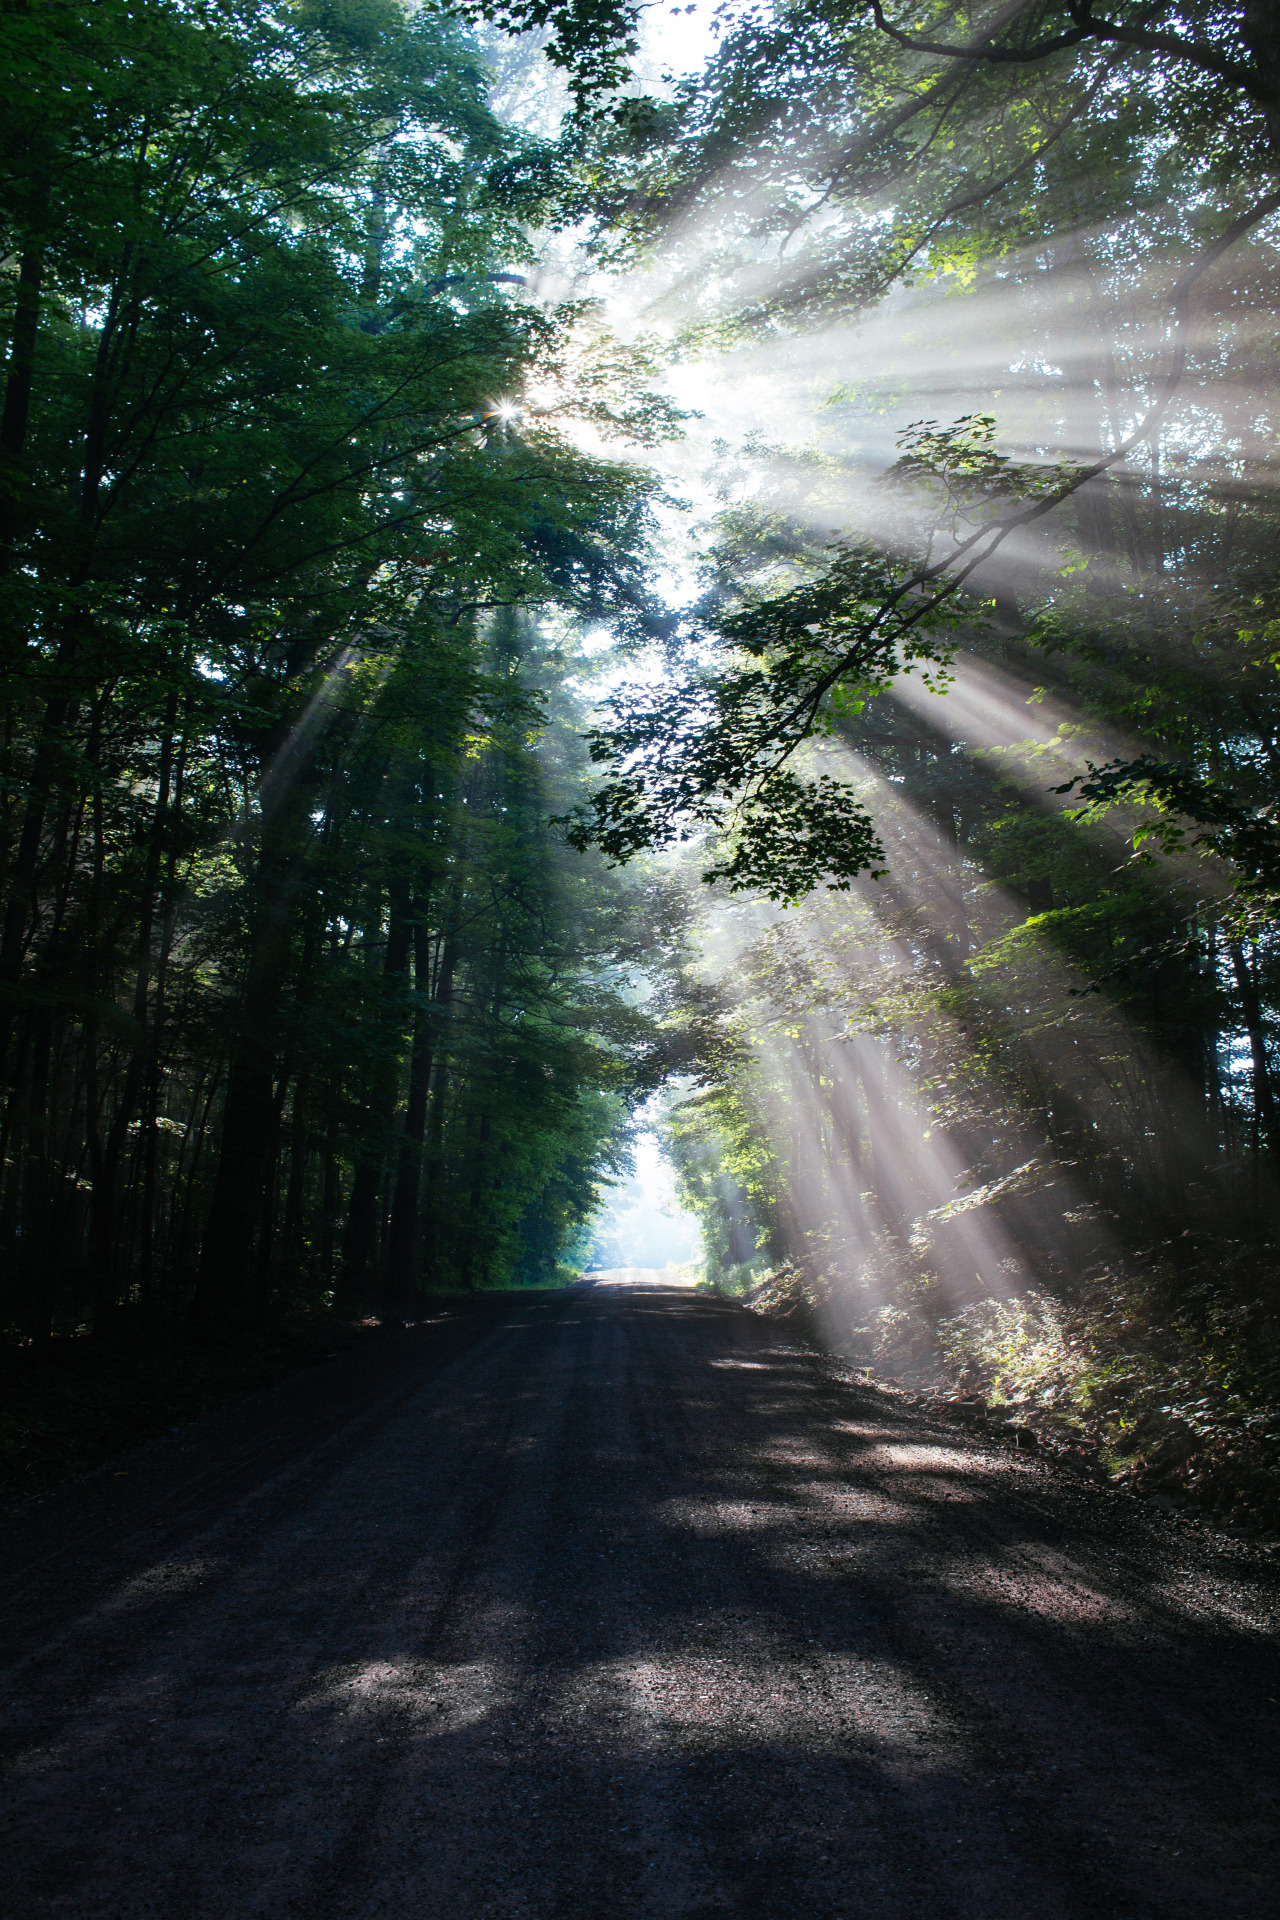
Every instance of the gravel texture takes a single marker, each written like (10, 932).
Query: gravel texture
(618, 1601)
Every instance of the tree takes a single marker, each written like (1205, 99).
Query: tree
(273, 482)
(830, 156)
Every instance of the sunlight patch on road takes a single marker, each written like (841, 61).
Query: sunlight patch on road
(435, 1699)
(906, 1456)
(830, 1703)
(889, 1453)
(833, 1506)
(164, 1581)
(1034, 1580)
(791, 1453)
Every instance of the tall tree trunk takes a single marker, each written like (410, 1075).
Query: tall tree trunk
(295, 1191)
(107, 1168)
(1086, 374)
(60, 707)
(433, 1157)
(360, 1240)
(19, 381)
(224, 1294)
(265, 1252)
(405, 1226)
(330, 1198)
(224, 1289)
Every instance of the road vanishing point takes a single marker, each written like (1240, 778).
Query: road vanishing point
(621, 1601)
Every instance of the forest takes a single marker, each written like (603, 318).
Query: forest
(553, 573)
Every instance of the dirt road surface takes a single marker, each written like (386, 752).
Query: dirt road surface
(618, 1602)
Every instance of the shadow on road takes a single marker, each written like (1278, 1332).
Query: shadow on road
(615, 1602)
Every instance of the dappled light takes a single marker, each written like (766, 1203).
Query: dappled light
(640, 959)
(730, 1611)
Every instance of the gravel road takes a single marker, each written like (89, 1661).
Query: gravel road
(618, 1602)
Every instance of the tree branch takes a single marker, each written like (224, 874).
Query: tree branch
(1087, 27)
(804, 711)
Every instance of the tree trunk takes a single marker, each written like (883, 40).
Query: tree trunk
(360, 1241)
(224, 1287)
(403, 1237)
(107, 1167)
(17, 391)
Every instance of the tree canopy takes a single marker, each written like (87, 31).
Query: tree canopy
(290, 589)
(348, 697)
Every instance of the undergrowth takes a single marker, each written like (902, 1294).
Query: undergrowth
(1166, 1365)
